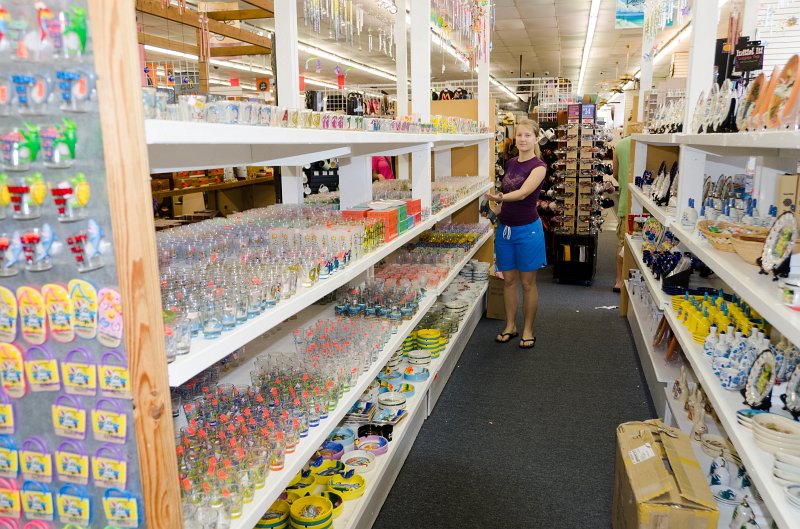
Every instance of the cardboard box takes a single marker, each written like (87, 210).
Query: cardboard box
(495, 309)
(658, 481)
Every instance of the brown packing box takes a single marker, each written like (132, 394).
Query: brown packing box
(495, 310)
(658, 481)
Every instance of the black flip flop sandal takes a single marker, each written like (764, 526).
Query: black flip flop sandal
(507, 336)
(523, 345)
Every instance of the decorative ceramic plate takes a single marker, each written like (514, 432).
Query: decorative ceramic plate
(793, 494)
(793, 392)
(710, 112)
(780, 242)
(726, 494)
(761, 378)
(723, 103)
(699, 110)
(748, 101)
(784, 96)
(359, 460)
(759, 117)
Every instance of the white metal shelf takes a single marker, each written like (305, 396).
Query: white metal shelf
(654, 285)
(682, 420)
(656, 211)
(760, 291)
(655, 139)
(778, 140)
(205, 353)
(295, 462)
(277, 481)
(387, 466)
(183, 145)
(726, 403)
(665, 372)
(457, 269)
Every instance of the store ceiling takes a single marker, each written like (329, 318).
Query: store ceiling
(548, 35)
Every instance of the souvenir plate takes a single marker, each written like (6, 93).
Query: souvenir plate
(748, 101)
(724, 103)
(758, 119)
(710, 112)
(761, 378)
(793, 494)
(793, 392)
(699, 110)
(780, 242)
(782, 107)
(726, 494)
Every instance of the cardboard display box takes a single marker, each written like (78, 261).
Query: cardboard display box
(658, 481)
(495, 310)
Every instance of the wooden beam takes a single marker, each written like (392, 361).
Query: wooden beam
(167, 44)
(127, 170)
(266, 5)
(240, 14)
(191, 18)
(235, 51)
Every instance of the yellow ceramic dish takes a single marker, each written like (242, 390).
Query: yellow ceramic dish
(348, 488)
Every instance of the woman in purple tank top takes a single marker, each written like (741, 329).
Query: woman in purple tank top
(519, 240)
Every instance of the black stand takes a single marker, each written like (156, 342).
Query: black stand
(575, 258)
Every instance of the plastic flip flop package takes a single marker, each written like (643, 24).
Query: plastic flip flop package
(68, 455)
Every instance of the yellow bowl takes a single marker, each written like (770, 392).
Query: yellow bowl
(302, 484)
(336, 500)
(348, 488)
(323, 504)
(276, 516)
(328, 468)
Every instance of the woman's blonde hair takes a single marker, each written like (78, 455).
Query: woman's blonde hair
(534, 126)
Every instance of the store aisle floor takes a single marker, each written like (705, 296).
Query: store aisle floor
(526, 438)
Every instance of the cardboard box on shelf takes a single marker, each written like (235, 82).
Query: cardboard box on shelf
(495, 309)
(658, 481)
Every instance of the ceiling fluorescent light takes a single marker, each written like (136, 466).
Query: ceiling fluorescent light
(164, 51)
(670, 46)
(241, 67)
(323, 84)
(587, 45)
(346, 62)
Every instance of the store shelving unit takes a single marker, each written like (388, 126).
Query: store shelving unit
(647, 203)
(361, 513)
(758, 290)
(773, 153)
(184, 146)
(135, 148)
(206, 353)
(758, 462)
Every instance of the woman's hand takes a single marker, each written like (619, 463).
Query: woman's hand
(495, 198)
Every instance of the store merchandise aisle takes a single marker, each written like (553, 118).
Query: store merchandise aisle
(526, 438)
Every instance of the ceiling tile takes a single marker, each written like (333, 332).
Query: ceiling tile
(546, 22)
(506, 13)
(502, 25)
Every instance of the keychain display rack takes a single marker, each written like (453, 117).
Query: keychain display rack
(575, 240)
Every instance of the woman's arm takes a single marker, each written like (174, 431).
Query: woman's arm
(533, 181)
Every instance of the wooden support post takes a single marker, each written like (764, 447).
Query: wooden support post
(122, 123)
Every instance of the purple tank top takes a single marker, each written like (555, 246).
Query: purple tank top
(524, 211)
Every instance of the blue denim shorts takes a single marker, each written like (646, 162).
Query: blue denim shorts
(520, 247)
